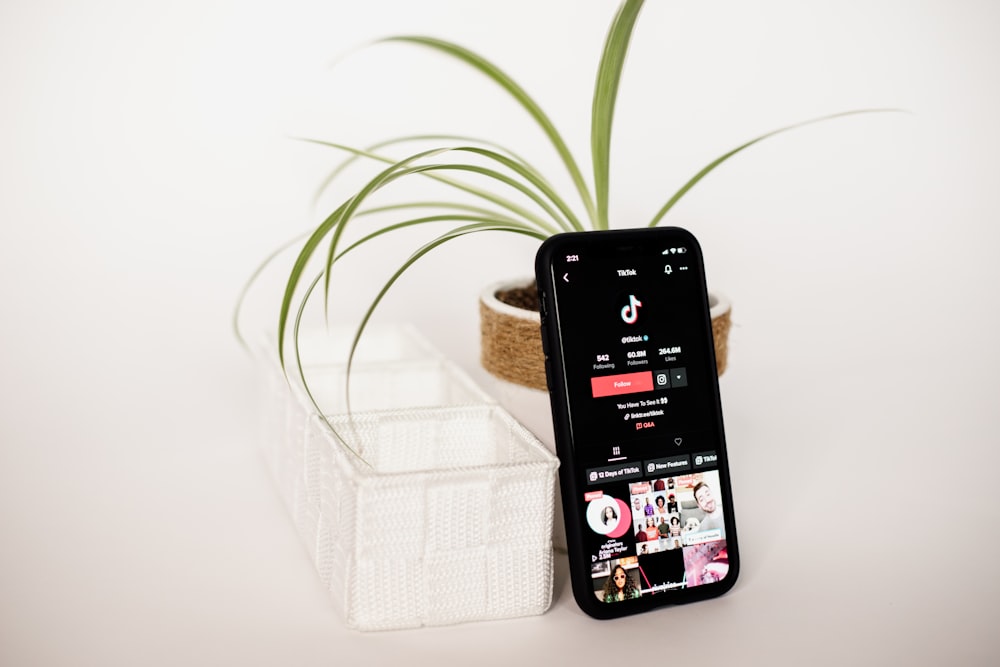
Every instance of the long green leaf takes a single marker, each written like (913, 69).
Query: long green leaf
(716, 162)
(517, 185)
(339, 169)
(479, 192)
(296, 328)
(482, 224)
(441, 205)
(605, 94)
(520, 95)
(420, 252)
(387, 175)
(241, 299)
(295, 275)
(338, 220)
(392, 174)
(534, 178)
(399, 170)
(332, 222)
(518, 166)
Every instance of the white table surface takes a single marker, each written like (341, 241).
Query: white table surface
(145, 170)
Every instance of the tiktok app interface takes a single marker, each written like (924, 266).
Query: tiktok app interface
(645, 424)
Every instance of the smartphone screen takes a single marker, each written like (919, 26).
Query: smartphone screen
(638, 422)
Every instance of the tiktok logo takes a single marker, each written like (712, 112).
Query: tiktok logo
(630, 313)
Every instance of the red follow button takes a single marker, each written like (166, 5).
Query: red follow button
(627, 383)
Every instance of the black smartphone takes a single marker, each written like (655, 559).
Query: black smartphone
(631, 369)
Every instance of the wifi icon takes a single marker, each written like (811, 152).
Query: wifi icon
(673, 250)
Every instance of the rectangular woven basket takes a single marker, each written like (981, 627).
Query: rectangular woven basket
(427, 504)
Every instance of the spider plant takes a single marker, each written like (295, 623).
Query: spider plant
(454, 161)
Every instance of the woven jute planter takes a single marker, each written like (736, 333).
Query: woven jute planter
(512, 346)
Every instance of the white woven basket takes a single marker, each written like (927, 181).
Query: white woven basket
(437, 510)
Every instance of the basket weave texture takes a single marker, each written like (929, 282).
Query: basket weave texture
(427, 505)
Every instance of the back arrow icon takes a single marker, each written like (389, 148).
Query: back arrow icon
(566, 277)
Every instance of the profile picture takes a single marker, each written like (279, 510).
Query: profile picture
(609, 516)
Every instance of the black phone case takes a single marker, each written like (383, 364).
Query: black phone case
(572, 494)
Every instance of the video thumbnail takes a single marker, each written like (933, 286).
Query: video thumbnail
(617, 580)
(706, 563)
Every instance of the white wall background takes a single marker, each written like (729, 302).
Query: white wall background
(146, 166)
